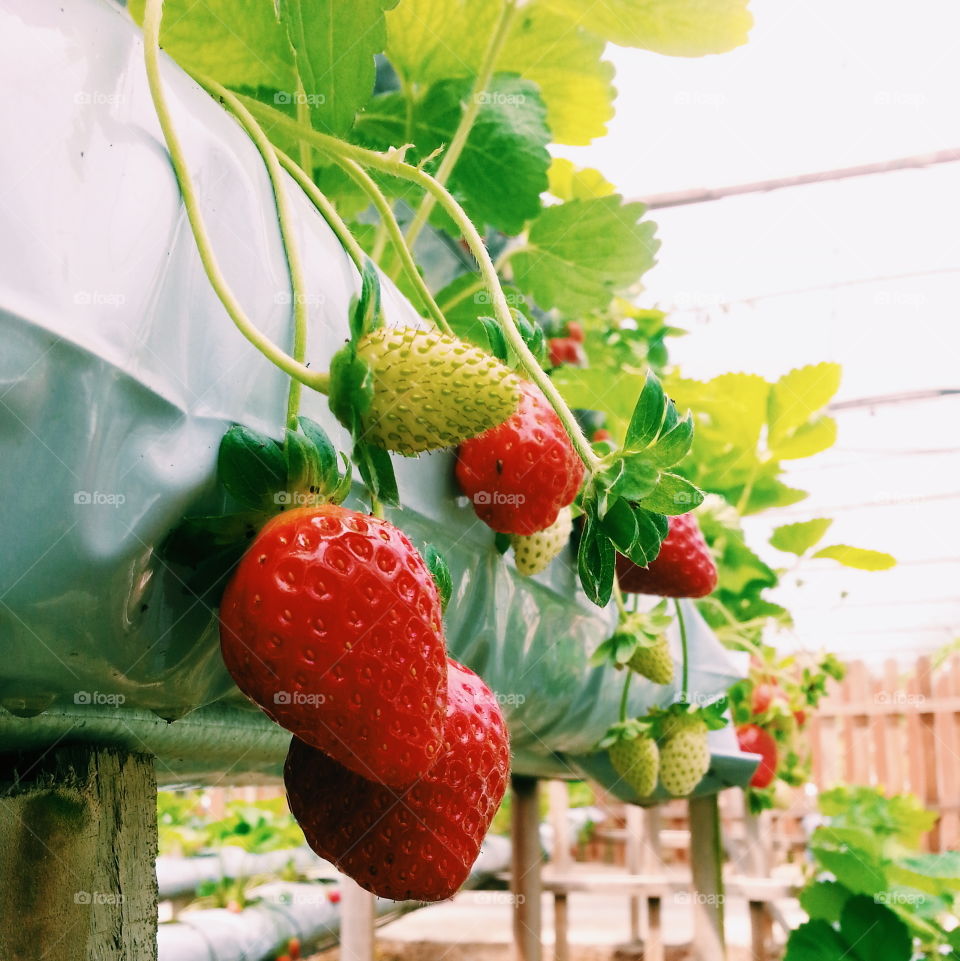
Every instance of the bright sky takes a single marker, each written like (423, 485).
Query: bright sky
(823, 85)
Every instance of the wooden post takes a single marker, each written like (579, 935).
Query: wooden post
(706, 865)
(634, 858)
(560, 861)
(651, 862)
(78, 842)
(356, 922)
(525, 867)
(757, 866)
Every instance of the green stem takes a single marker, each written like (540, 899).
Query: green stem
(326, 209)
(389, 221)
(452, 154)
(624, 694)
(153, 13)
(390, 163)
(303, 116)
(618, 598)
(685, 672)
(468, 291)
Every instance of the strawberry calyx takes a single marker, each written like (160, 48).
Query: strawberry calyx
(636, 630)
(665, 722)
(628, 730)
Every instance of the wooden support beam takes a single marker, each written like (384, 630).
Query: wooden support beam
(78, 842)
(525, 867)
(634, 859)
(706, 866)
(356, 922)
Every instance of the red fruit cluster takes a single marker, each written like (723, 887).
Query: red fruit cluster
(683, 568)
(755, 740)
(521, 473)
(433, 828)
(332, 625)
(566, 350)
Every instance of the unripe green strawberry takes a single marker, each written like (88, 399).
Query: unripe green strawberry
(431, 390)
(636, 760)
(534, 552)
(654, 662)
(684, 755)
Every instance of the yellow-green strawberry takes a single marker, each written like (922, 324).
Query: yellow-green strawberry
(653, 661)
(637, 761)
(534, 552)
(431, 390)
(684, 754)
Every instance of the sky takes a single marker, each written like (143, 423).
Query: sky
(865, 272)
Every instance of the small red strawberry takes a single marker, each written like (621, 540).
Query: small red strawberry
(575, 331)
(566, 350)
(601, 435)
(755, 740)
(683, 568)
(332, 624)
(520, 474)
(765, 695)
(293, 949)
(420, 842)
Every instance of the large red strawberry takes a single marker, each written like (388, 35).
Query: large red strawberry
(417, 842)
(520, 474)
(332, 624)
(755, 740)
(683, 568)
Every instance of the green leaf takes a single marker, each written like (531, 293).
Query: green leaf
(334, 45)
(855, 868)
(568, 182)
(197, 538)
(652, 531)
(595, 561)
(858, 557)
(240, 43)
(797, 396)
(675, 442)
(596, 388)
(672, 495)
(935, 873)
(502, 170)
(824, 899)
(376, 469)
(874, 932)
(365, 310)
(647, 416)
(465, 301)
(808, 439)
(431, 40)
(580, 253)
(351, 387)
(816, 941)
(799, 538)
(678, 28)
(437, 566)
(326, 453)
(620, 525)
(639, 478)
(252, 467)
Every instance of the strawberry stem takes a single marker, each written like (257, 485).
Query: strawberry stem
(153, 13)
(685, 677)
(389, 221)
(498, 38)
(618, 598)
(390, 163)
(624, 693)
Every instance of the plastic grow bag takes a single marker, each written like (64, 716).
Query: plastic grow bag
(120, 372)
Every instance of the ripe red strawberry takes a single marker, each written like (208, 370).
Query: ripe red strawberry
(332, 624)
(521, 473)
(755, 740)
(421, 841)
(575, 331)
(566, 350)
(764, 695)
(683, 568)
(601, 435)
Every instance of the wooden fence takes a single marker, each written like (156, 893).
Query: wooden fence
(897, 729)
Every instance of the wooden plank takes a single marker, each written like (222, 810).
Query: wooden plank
(898, 703)
(634, 862)
(914, 732)
(858, 759)
(653, 947)
(896, 735)
(814, 734)
(561, 928)
(879, 729)
(78, 842)
(931, 794)
(525, 881)
(559, 808)
(948, 750)
(356, 922)
(706, 869)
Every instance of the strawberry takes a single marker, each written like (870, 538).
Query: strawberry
(420, 842)
(683, 568)
(636, 760)
(293, 949)
(684, 754)
(601, 435)
(575, 331)
(800, 716)
(755, 740)
(566, 350)
(534, 552)
(520, 474)
(653, 661)
(431, 390)
(332, 624)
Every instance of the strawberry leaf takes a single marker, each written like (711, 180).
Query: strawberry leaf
(647, 416)
(672, 495)
(799, 538)
(676, 438)
(440, 572)
(195, 539)
(858, 557)
(595, 559)
(638, 479)
(252, 467)
(326, 453)
(376, 469)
